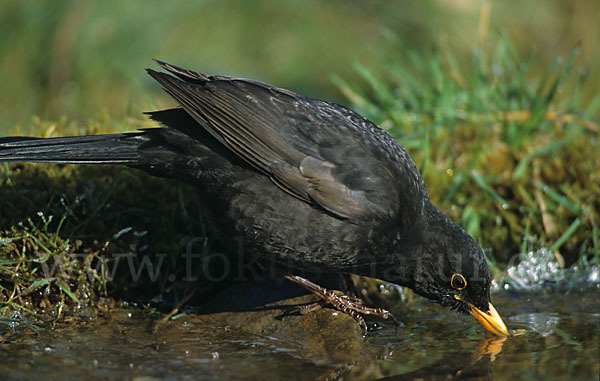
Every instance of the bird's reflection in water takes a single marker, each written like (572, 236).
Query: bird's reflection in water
(491, 345)
(461, 365)
(454, 365)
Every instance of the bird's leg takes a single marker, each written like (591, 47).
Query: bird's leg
(346, 304)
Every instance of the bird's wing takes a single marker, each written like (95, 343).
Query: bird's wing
(317, 151)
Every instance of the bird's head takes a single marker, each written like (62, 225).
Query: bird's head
(447, 266)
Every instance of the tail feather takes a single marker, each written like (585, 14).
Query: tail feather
(94, 149)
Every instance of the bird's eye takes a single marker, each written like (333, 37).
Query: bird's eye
(458, 281)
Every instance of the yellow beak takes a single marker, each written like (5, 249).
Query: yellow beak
(490, 320)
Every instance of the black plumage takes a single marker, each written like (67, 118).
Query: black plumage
(310, 185)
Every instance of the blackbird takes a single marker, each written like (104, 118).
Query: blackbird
(310, 186)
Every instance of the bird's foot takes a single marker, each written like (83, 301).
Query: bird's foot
(354, 307)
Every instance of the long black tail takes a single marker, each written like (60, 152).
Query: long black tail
(95, 149)
(154, 147)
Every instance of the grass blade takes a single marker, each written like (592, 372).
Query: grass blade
(565, 236)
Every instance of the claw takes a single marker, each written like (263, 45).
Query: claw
(355, 307)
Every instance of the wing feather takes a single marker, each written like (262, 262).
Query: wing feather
(317, 151)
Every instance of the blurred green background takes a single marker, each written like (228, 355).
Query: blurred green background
(80, 59)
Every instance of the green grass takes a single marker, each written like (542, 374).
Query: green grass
(514, 164)
(63, 229)
(500, 153)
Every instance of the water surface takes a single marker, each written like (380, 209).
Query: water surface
(556, 336)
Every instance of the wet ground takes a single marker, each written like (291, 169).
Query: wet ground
(556, 336)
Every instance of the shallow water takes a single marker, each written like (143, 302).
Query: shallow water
(556, 336)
